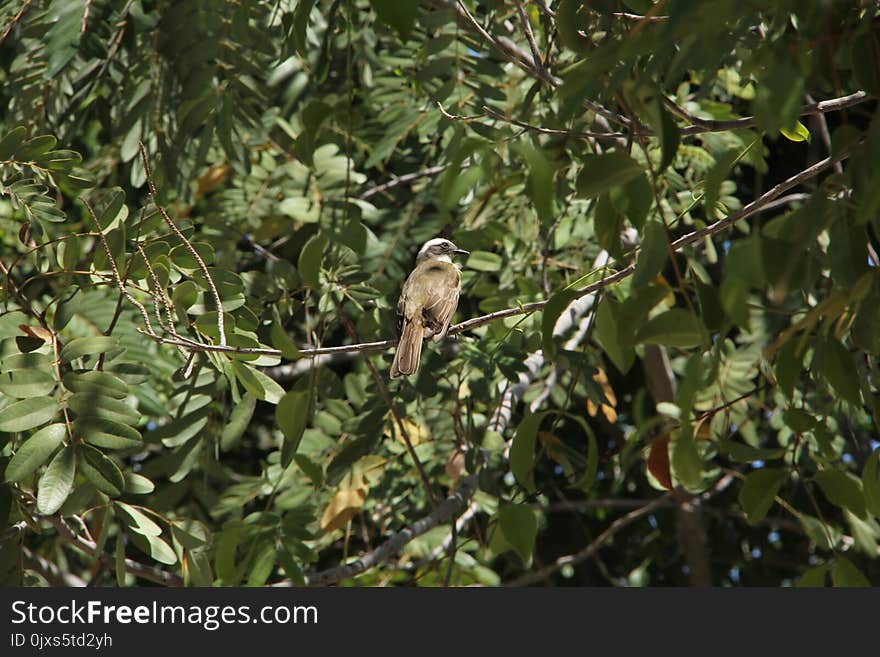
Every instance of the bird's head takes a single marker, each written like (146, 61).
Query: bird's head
(439, 249)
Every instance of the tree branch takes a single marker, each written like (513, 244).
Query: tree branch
(451, 506)
(682, 242)
(592, 547)
(699, 125)
(135, 568)
(401, 180)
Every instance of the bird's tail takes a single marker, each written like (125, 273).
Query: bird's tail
(409, 349)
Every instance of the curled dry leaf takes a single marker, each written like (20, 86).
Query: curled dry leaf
(658, 461)
(342, 508)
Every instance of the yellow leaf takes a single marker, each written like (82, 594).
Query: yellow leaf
(798, 132)
(417, 433)
(342, 508)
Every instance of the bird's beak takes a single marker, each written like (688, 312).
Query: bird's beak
(461, 252)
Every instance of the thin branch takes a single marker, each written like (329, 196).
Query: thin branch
(445, 544)
(586, 505)
(112, 262)
(135, 568)
(593, 547)
(186, 244)
(699, 125)
(14, 21)
(50, 571)
(639, 17)
(530, 37)
(551, 131)
(85, 19)
(397, 181)
(451, 506)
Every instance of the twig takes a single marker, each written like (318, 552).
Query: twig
(85, 18)
(401, 180)
(112, 262)
(135, 568)
(639, 17)
(551, 131)
(699, 125)
(186, 243)
(527, 28)
(586, 505)
(14, 21)
(50, 571)
(445, 544)
(451, 506)
(593, 547)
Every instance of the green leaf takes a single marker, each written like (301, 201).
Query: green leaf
(27, 414)
(34, 148)
(845, 574)
(608, 223)
(835, 364)
(96, 383)
(262, 565)
(539, 180)
(674, 328)
(89, 405)
(742, 453)
(842, 490)
(105, 433)
(310, 259)
(291, 568)
(11, 141)
(634, 200)
(712, 182)
(798, 420)
(670, 137)
(108, 207)
(556, 305)
(257, 383)
(300, 25)
(797, 133)
(602, 172)
(280, 338)
(758, 490)
(101, 471)
(57, 481)
(610, 335)
(399, 15)
(652, 256)
(519, 526)
(137, 484)
(23, 384)
(138, 522)
(35, 451)
(160, 550)
(239, 419)
(778, 96)
(685, 461)
(871, 483)
(91, 346)
(119, 559)
(190, 534)
(484, 261)
(814, 577)
(292, 416)
(522, 450)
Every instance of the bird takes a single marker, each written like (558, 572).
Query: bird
(427, 302)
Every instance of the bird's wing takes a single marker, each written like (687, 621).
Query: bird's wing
(439, 308)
